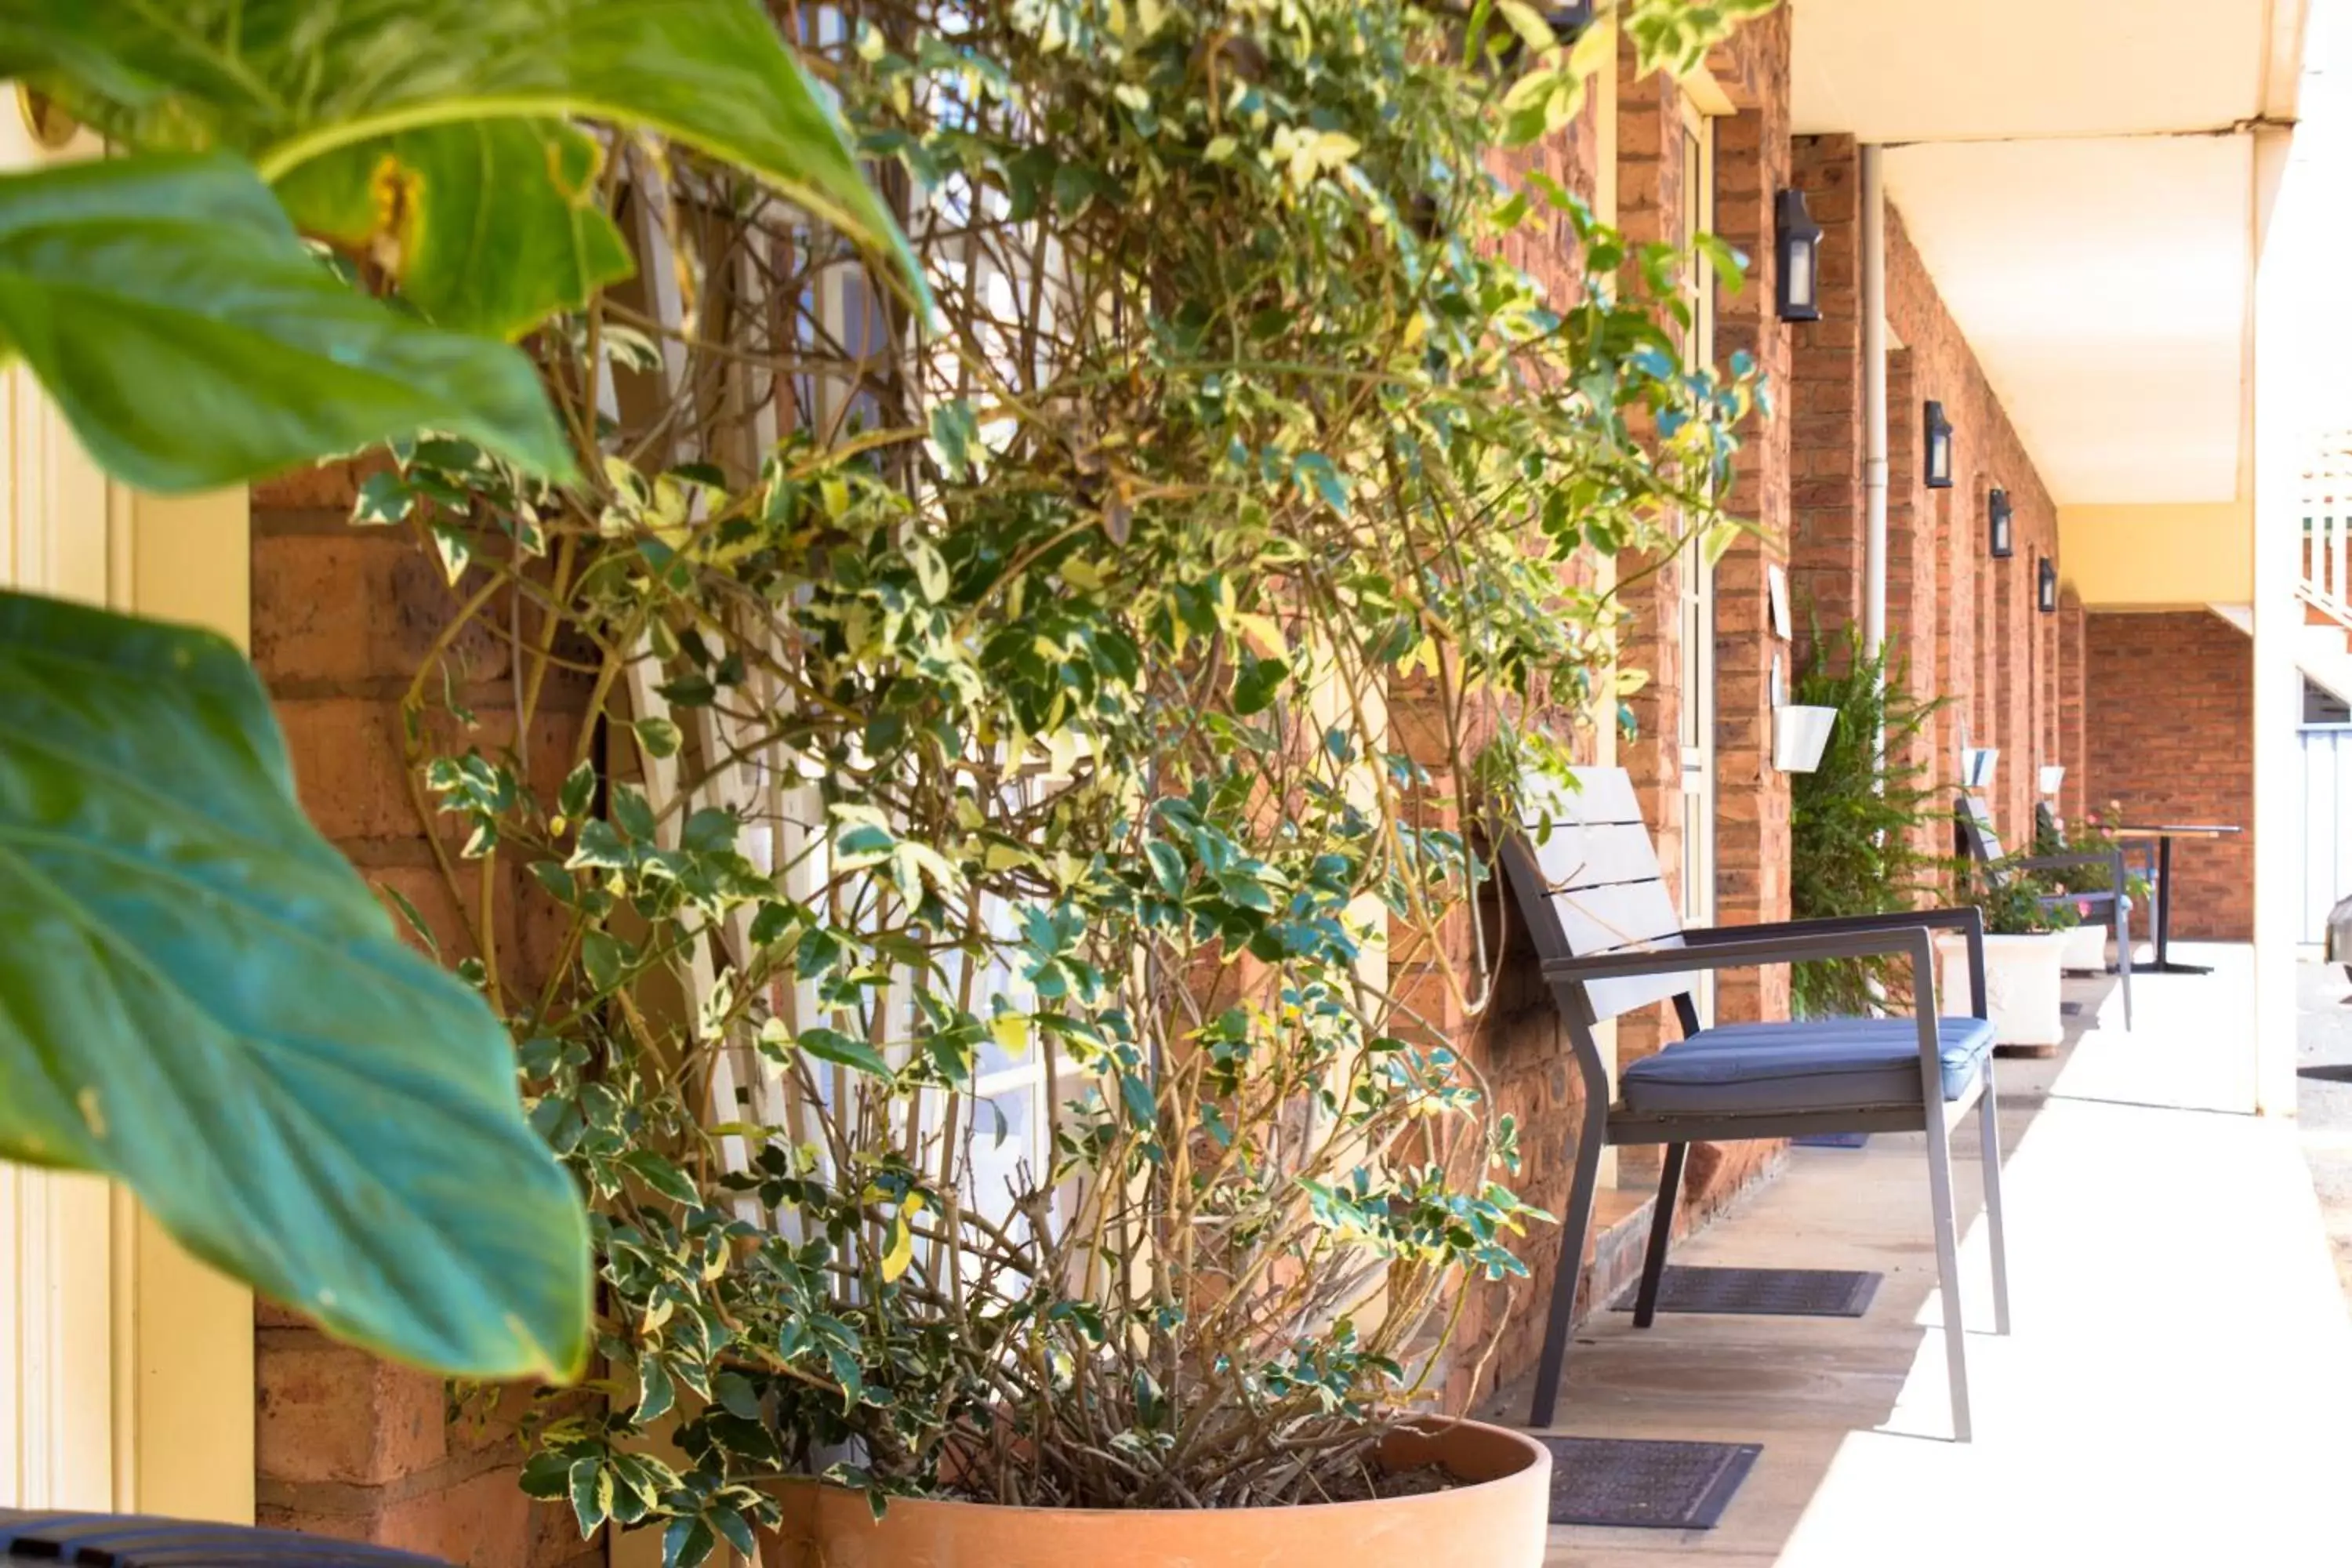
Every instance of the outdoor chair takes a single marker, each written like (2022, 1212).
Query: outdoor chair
(2139, 854)
(1588, 884)
(1980, 843)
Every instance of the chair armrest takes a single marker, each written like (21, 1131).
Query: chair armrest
(2051, 862)
(1750, 954)
(1966, 918)
(1911, 941)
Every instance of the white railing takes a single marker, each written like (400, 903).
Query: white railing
(2326, 580)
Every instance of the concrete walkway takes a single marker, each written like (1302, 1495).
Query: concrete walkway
(2178, 1389)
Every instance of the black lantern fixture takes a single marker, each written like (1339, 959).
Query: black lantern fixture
(2047, 586)
(1939, 449)
(2002, 537)
(1801, 257)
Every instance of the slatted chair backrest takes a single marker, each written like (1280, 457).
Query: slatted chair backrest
(1588, 883)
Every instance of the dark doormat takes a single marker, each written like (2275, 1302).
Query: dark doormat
(2070, 1009)
(1763, 1292)
(1644, 1485)
(1832, 1141)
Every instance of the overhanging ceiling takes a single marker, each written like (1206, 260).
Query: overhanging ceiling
(2078, 177)
(1908, 70)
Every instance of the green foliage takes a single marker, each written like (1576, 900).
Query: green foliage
(1011, 687)
(152, 295)
(986, 668)
(488, 227)
(1857, 822)
(2090, 837)
(2012, 905)
(205, 1001)
(197, 996)
(435, 141)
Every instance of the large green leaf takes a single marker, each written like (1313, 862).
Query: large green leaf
(491, 226)
(287, 81)
(193, 340)
(199, 997)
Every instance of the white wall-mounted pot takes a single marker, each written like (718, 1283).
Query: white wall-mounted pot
(2051, 776)
(1977, 766)
(2022, 976)
(1799, 735)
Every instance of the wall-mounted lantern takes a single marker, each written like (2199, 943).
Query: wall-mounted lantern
(2046, 585)
(1939, 449)
(2000, 536)
(1801, 257)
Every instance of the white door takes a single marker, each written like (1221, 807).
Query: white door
(1698, 596)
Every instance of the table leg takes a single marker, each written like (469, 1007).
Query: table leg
(2164, 965)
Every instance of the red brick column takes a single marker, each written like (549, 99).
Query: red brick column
(1649, 195)
(1824, 407)
(347, 1445)
(2076, 798)
(1752, 167)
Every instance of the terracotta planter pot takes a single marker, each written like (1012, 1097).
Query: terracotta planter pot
(1496, 1522)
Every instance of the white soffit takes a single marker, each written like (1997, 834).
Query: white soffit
(2102, 285)
(1905, 70)
(2078, 180)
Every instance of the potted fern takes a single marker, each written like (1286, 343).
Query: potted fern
(1861, 821)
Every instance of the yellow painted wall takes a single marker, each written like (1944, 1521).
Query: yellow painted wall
(126, 1367)
(2158, 557)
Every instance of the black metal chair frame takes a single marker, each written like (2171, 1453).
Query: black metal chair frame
(1667, 959)
(1979, 843)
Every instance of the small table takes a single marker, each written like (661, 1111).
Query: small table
(2164, 833)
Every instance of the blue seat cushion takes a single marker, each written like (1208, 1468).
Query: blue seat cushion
(1816, 1064)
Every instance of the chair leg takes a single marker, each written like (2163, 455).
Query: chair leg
(1948, 1266)
(1661, 1225)
(1989, 1129)
(1573, 1232)
(2123, 957)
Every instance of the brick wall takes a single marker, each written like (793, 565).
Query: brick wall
(1824, 406)
(2170, 731)
(346, 1445)
(1966, 623)
(1752, 160)
(1518, 1041)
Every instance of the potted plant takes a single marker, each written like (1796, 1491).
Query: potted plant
(1024, 723)
(2024, 946)
(975, 659)
(1861, 822)
(1801, 734)
(2086, 946)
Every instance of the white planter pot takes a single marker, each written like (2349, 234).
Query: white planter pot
(2020, 985)
(2087, 948)
(2053, 777)
(1799, 735)
(1977, 766)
